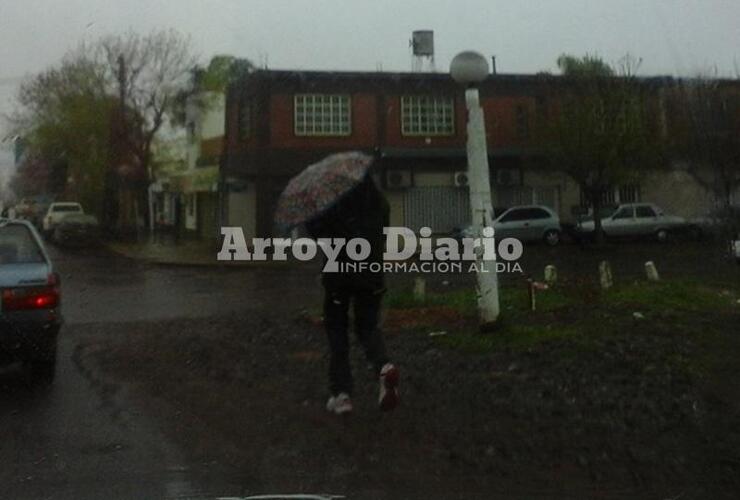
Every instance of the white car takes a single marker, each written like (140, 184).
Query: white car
(525, 223)
(636, 219)
(56, 212)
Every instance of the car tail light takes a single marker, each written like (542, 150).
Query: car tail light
(36, 297)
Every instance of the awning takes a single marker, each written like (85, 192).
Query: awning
(458, 153)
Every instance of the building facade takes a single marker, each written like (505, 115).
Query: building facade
(414, 124)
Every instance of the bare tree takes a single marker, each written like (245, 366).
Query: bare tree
(147, 72)
(707, 137)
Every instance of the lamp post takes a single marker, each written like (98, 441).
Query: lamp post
(470, 68)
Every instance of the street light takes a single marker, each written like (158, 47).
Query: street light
(470, 68)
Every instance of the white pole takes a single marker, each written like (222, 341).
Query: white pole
(481, 207)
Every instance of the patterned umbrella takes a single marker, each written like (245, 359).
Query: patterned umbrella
(319, 187)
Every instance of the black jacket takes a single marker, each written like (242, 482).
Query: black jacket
(361, 213)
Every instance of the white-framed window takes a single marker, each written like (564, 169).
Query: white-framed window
(626, 193)
(427, 115)
(322, 115)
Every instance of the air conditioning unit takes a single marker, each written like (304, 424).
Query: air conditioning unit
(397, 179)
(461, 179)
(508, 177)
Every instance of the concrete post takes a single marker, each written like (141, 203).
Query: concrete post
(605, 275)
(651, 271)
(480, 204)
(420, 289)
(551, 275)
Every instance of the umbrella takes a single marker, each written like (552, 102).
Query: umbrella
(320, 186)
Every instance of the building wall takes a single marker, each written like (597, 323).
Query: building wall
(433, 179)
(396, 204)
(677, 193)
(212, 119)
(501, 121)
(242, 207)
(272, 152)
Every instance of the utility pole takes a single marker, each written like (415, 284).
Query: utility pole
(470, 68)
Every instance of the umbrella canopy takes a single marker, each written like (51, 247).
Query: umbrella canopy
(320, 186)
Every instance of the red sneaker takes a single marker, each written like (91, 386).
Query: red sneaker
(389, 379)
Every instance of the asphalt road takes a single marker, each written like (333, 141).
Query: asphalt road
(78, 439)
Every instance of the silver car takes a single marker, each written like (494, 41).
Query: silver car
(529, 223)
(30, 313)
(636, 220)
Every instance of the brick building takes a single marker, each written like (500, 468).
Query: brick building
(278, 122)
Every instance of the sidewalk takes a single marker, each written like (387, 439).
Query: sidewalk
(191, 253)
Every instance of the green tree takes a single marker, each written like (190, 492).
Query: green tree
(205, 82)
(600, 130)
(100, 111)
(65, 120)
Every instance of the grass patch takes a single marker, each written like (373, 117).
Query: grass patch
(672, 296)
(464, 301)
(577, 314)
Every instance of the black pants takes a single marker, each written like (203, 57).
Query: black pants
(336, 319)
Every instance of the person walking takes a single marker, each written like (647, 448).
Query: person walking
(361, 213)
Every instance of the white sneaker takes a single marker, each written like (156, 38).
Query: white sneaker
(340, 404)
(389, 379)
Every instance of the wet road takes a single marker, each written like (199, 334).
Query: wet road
(78, 439)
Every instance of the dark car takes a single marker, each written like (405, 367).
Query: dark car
(77, 230)
(30, 313)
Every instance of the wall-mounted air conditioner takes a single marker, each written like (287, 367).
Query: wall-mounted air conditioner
(461, 179)
(508, 177)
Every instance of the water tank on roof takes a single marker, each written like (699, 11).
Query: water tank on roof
(422, 43)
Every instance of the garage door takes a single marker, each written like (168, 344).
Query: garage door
(440, 208)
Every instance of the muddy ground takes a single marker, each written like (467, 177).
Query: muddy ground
(615, 407)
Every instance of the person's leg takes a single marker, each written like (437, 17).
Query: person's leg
(367, 314)
(336, 307)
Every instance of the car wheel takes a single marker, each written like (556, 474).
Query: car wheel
(661, 235)
(552, 237)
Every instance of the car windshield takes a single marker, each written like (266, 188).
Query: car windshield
(385, 250)
(18, 246)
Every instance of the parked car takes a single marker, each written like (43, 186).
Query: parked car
(529, 223)
(30, 314)
(56, 212)
(636, 220)
(77, 230)
(525, 223)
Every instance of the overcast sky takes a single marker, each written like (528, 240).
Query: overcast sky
(672, 36)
